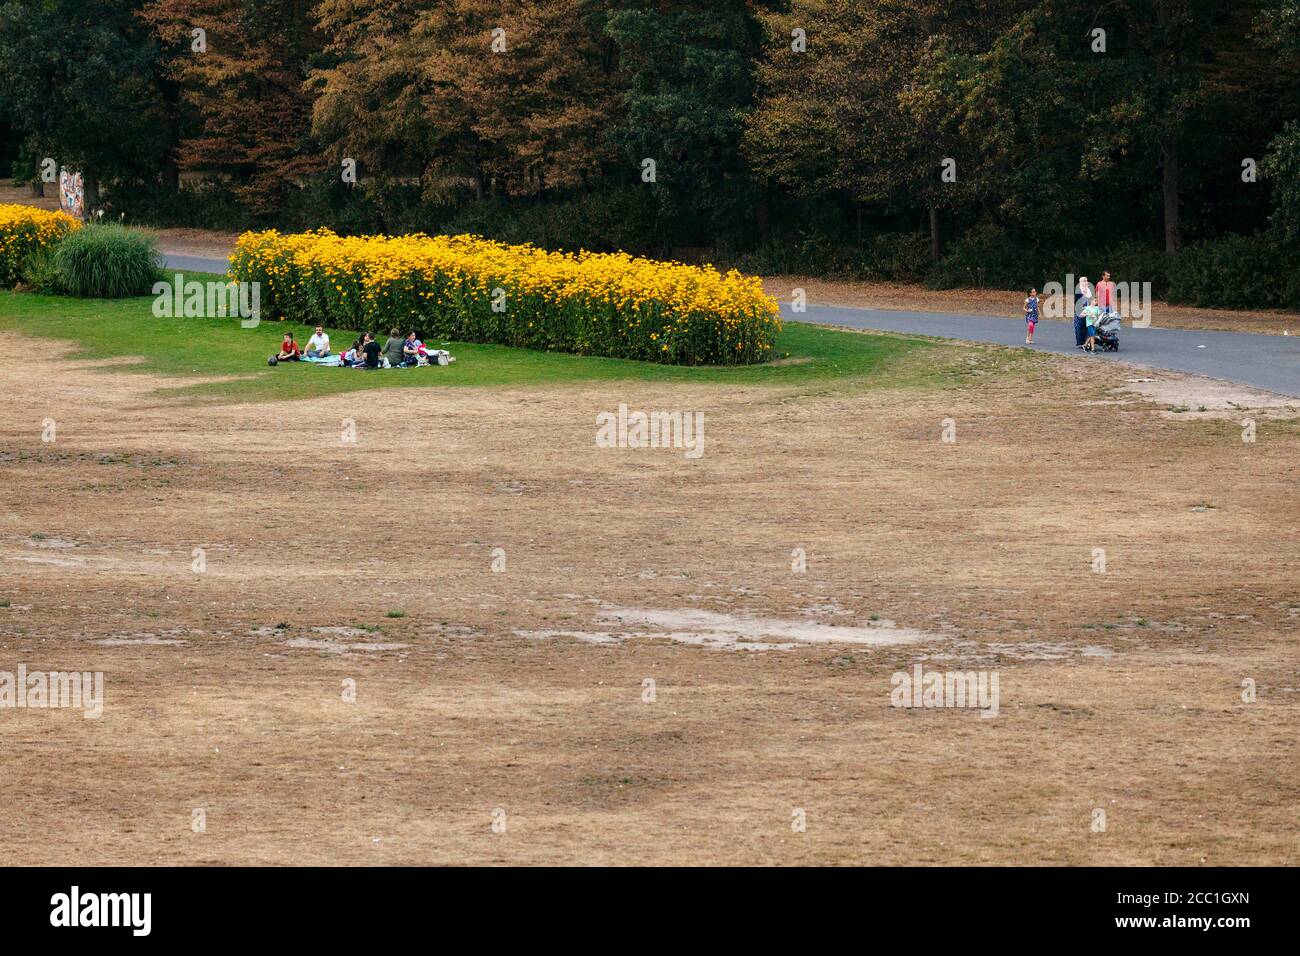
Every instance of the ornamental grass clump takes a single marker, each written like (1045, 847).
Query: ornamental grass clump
(106, 262)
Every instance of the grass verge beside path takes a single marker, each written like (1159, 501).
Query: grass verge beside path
(190, 348)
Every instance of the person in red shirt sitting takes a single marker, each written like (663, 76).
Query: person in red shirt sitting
(289, 351)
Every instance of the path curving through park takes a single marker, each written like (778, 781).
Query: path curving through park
(1270, 362)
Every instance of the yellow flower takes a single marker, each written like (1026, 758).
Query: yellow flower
(600, 290)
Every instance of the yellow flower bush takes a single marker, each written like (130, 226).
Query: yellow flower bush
(25, 230)
(477, 290)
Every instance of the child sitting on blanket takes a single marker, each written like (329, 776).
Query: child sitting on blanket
(353, 355)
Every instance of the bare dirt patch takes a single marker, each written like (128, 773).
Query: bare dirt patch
(734, 632)
(1194, 396)
(201, 243)
(11, 195)
(523, 689)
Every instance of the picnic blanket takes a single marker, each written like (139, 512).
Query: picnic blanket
(435, 357)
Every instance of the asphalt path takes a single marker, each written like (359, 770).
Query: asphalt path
(1270, 362)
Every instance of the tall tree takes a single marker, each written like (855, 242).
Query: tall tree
(539, 80)
(373, 89)
(481, 94)
(241, 79)
(1278, 29)
(1177, 63)
(858, 101)
(689, 80)
(79, 87)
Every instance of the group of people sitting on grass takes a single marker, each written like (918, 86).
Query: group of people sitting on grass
(398, 351)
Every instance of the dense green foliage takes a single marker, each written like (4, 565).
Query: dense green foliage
(40, 274)
(808, 135)
(82, 86)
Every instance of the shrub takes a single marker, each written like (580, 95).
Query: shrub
(896, 256)
(475, 290)
(1281, 167)
(884, 256)
(987, 256)
(604, 220)
(26, 231)
(1236, 272)
(1229, 272)
(41, 275)
(207, 204)
(107, 262)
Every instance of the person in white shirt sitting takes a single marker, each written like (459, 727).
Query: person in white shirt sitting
(318, 346)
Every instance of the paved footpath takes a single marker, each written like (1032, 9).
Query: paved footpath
(1270, 362)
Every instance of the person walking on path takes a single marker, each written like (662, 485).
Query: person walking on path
(1031, 316)
(1091, 316)
(1082, 298)
(1106, 294)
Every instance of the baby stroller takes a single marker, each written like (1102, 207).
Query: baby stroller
(1108, 332)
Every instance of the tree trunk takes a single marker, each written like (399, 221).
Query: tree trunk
(1169, 162)
(90, 190)
(762, 216)
(934, 233)
(171, 171)
(38, 188)
(858, 209)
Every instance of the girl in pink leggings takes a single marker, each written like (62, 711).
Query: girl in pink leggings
(1031, 316)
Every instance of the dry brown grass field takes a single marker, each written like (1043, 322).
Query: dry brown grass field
(519, 696)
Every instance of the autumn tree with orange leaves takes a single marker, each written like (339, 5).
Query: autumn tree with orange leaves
(240, 66)
(470, 97)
